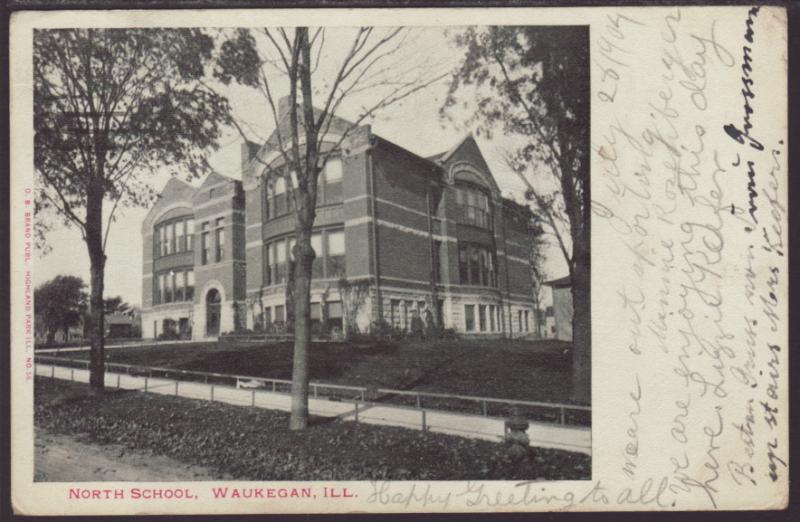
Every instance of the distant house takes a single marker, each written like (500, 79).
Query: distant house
(562, 307)
(120, 325)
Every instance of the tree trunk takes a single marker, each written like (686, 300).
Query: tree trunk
(304, 257)
(291, 270)
(97, 259)
(581, 326)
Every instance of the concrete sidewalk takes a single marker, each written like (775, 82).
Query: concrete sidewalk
(542, 435)
(137, 344)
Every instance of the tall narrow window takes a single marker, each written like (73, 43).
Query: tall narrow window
(190, 285)
(463, 264)
(492, 318)
(180, 236)
(160, 289)
(189, 235)
(280, 261)
(280, 313)
(469, 317)
(394, 313)
(482, 317)
(333, 181)
(268, 260)
(436, 262)
(317, 265)
(179, 286)
(220, 239)
(279, 200)
(335, 256)
(205, 247)
(168, 228)
(168, 280)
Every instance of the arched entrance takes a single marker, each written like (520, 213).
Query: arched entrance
(212, 312)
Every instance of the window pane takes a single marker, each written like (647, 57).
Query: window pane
(336, 243)
(469, 317)
(190, 234)
(335, 310)
(189, 285)
(316, 311)
(279, 313)
(333, 169)
(280, 186)
(280, 251)
(333, 192)
(179, 285)
(316, 243)
(168, 249)
(180, 244)
(482, 317)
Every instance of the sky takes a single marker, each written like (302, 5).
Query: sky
(413, 123)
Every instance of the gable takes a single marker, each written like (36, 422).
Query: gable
(466, 163)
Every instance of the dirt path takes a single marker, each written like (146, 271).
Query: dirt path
(61, 458)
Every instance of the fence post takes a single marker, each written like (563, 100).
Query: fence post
(72, 374)
(419, 401)
(53, 371)
(273, 386)
(424, 422)
(212, 392)
(253, 398)
(145, 382)
(356, 412)
(315, 390)
(563, 419)
(485, 412)
(118, 381)
(176, 388)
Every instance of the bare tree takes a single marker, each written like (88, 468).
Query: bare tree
(307, 135)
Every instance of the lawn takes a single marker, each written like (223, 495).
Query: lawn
(256, 444)
(501, 368)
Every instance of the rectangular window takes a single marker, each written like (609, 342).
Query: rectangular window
(519, 320)
(335, 255)
(333, 181)
(335, 315)
(168, 280)
(205, 254)
(179, 286)
(189, 235)
(527, 319)
(180, 236)
(474, 266)
(463, 264)
(190, 285)
(315, 314)
(492, 318)
(220, 239)
(279, 313)
(268, 264)
(280, 261)
(482, 317)
(394, 312)
(316, 245)
(469, 317)
(267, 315)
(168, 240)
(159, 294)
(279, 201)
(408, 313)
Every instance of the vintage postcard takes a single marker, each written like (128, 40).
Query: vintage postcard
(399, 260)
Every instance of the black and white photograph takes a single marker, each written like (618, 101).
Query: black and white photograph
(312, 253)
(386, 260)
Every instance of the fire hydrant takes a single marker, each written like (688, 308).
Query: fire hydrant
(516, 434)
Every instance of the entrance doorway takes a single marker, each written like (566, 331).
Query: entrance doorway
(212, 312)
